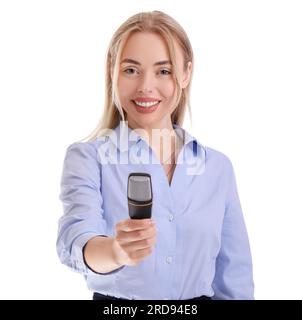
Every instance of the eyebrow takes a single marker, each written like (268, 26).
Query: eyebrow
(159, 63)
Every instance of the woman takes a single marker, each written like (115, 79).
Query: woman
(196, 244)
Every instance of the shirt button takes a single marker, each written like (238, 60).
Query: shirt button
(169, 259)
(171, 217)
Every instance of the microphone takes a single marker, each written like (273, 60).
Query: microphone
(139, 193)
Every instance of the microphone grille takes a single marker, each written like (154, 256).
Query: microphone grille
(139, 187)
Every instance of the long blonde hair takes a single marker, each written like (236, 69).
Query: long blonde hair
(156, 22)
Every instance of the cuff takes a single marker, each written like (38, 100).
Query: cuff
(78, 248)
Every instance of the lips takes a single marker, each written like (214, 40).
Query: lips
(146, 99)
(141, 109)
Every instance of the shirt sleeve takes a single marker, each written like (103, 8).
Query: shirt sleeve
(234, 276)
(82, 205)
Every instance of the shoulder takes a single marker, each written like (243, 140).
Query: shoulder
(213, 158)
(82, 146)
(218, 160)
(219, 166)
(81, 164)
(82, 152)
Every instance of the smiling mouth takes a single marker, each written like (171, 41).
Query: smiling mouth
(146, 105)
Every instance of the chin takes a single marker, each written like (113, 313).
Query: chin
(142, 121)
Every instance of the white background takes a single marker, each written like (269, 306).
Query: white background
(246, 103)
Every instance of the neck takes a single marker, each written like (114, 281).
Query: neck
(147, 131)
(162, 139)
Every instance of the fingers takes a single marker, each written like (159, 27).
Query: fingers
(130, 236)
(138, 255)
(139, 245)
(136, 239)
(134, 224)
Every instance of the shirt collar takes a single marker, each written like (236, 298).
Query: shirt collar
(123, 137)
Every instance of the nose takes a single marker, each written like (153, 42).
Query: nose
(146, 83)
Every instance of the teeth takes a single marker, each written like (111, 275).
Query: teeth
(146, 104)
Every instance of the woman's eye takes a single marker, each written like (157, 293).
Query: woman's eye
(131, 69)
(166, 72)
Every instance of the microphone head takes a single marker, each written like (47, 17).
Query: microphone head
(139, 187)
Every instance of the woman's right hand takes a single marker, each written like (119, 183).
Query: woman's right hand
(134, 240)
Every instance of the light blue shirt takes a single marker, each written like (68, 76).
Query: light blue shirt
(202, 243)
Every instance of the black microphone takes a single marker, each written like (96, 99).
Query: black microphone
(139, 192)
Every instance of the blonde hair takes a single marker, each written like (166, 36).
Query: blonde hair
(155, 22)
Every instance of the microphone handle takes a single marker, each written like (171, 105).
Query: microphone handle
(139, 210)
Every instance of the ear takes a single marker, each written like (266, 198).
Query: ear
(187, 75)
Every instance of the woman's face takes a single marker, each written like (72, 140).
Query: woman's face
(145, 84)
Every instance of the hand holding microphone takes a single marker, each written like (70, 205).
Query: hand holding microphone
(136, 237)
(134, 240)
